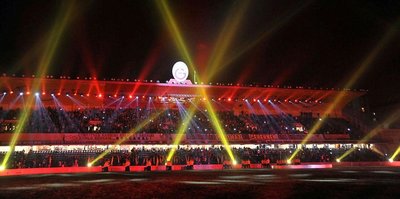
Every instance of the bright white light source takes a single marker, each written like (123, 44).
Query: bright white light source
(180, 71)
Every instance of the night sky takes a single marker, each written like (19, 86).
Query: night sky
(314, 43)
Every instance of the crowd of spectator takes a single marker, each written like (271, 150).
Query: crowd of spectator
(157, 156)
(52, 120)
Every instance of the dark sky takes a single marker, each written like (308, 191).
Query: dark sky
(316, 44)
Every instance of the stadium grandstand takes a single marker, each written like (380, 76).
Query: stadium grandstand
(74, 121)
(199, 99)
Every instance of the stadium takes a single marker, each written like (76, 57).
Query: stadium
(98, 136)
(75, 123)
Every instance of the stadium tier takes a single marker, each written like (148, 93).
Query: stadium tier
(75, 122)
(100, 112)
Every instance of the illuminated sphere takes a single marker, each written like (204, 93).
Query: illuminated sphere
(180, 71)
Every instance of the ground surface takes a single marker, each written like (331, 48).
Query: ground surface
(252, 183)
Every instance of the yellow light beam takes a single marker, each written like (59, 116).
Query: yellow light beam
(387, 121)
(128, 135)
(276, 25)
(351, 81)
(218, 128)
(46, 58)
(374, 149)
(224, 40)
(179, 41)
(220, 131)
(181, 131)
(395, 154)
(175, 32)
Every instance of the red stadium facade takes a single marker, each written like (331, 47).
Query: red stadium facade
(89, 93)
(90, 122)
(96, 94)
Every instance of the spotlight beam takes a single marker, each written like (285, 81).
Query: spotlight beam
(227, 34)
(390, 119)
(218, 128)
(263, 36)
(2, 98)
(181, 131)
(179, 41)
(175, 32)
(351, 81)
(127, 135)
(395, 154)
(54, 38)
